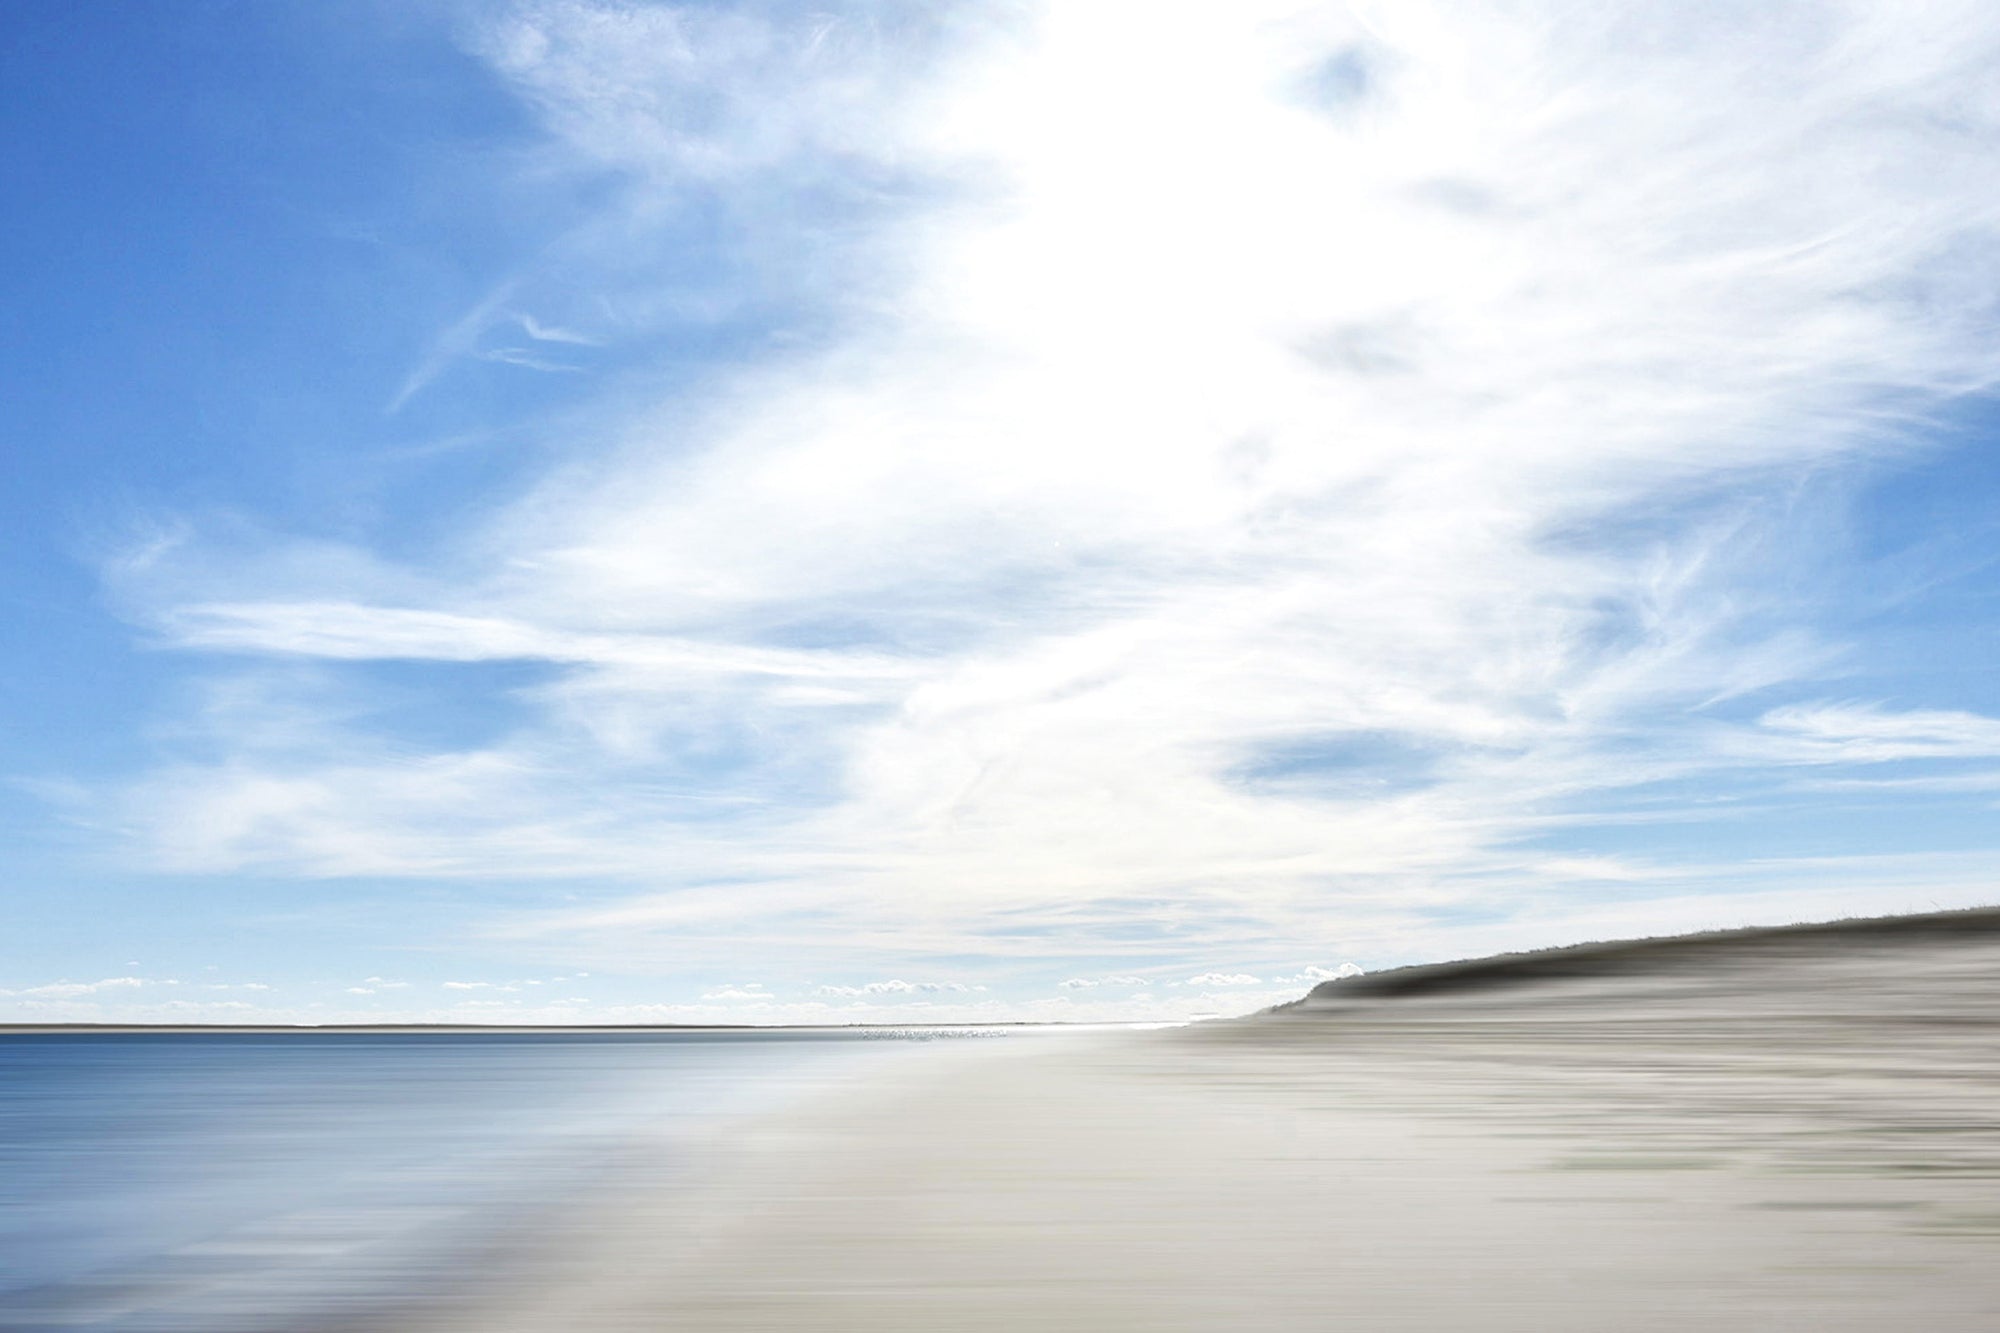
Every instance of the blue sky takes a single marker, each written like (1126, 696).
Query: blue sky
(887, 511)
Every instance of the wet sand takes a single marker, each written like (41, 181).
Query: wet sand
(1761, 1131)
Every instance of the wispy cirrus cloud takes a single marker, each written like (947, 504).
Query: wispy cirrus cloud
(550, 333)
(1264, 472)
(1851, 733)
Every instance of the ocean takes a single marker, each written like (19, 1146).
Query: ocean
(245, 1181)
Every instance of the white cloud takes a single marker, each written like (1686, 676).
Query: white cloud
(736, 993)
(1847, 733)
(549, 333)
(898, 987)
(515, 356)
(1086, 983)
(1314, 975)
(1220, 502)
(458, 339)
(67, 990)
(1225, 979)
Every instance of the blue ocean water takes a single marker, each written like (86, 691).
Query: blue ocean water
(225, 1181)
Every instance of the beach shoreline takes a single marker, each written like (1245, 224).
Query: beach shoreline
(1791, 1136)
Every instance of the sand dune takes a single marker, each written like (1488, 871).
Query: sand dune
(1795, 1129)
(1795, 960)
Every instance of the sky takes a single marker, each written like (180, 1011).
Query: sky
(759, 512)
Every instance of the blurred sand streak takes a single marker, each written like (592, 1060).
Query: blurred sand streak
(1769, 1130)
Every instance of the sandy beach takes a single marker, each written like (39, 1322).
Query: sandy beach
(1763, 1130)
(727, 666)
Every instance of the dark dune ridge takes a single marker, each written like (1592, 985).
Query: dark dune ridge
(1777, 950)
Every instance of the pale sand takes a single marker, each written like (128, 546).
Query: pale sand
(1775, 1132)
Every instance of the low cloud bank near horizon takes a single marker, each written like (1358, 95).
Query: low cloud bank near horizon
(1242, 482)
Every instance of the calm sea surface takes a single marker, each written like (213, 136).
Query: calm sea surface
(217, 1182)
